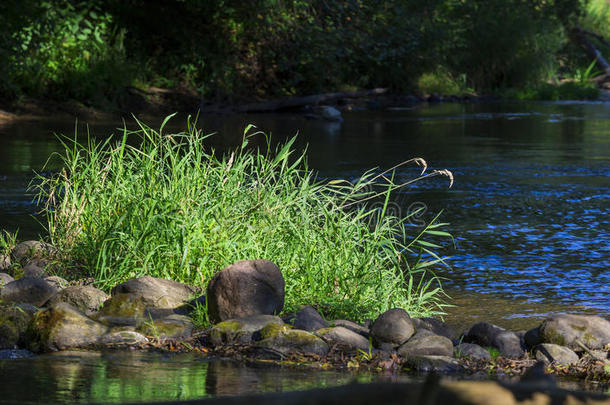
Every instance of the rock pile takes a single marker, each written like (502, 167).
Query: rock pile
(42, 313)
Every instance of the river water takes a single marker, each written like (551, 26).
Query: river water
(529, 207)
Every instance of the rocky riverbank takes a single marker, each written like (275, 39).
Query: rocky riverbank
(240, 315)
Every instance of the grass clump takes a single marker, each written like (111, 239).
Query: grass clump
(166, 206)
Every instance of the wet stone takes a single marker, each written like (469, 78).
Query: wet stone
(126, 337)
(486, 334)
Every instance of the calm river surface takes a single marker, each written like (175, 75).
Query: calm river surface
(529, 208)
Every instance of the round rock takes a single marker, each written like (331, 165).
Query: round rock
(426, 344)
(393, 326)
(32, 249)
(248, 287)
(307, 318)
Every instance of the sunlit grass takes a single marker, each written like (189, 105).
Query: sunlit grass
(170, 207)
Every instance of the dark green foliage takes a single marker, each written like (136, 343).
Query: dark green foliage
(90, 50)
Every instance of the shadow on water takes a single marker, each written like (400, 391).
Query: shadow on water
(528, 209)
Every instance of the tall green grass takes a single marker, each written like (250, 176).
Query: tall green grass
(167, 206)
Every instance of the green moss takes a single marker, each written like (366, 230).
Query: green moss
(273, 330)
(550, 335)
(124, 306)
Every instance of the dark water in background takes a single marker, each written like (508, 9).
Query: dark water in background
(528, 209)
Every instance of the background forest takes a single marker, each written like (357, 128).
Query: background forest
(228, 50)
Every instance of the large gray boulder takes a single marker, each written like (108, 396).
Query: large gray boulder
(31, 290)
(425, 343)
(344, 337)
(282, 339)
(248, 287)
(158, 292)
(61, 327)
(393, 327)
(551, 353)
(573, 330)
(486, 334)
(240, 331)
(87, 299)
(32, 249)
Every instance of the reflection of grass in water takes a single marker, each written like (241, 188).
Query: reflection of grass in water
(171, 208)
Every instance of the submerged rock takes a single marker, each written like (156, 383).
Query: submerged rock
(242, 330)
(472, 351)
(551, 353)
(344, 337)
(283, 339)
(158, 292)
(87, 299)
(570, 330)
(35, 291)
(393, 326)
(331, 114)
(424, 343)
(32, 249)
(248, 287)
(307, 318)
(61, 327)
(487, 334)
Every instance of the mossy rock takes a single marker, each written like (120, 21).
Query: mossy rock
(242, 330)
(62, 327)
(573, 330)
(123, 309)
(13, 325)
(171, 327)
(285, 340)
